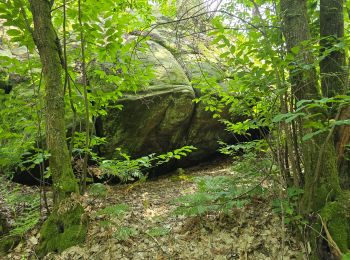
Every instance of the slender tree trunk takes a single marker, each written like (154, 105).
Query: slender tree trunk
(86, 102)
(66, 226)
(47, 43)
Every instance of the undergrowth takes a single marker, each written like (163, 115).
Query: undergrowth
(20, 209)
(221, 194)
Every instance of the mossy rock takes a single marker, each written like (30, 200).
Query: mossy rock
(65, 227)
(166, 69)
(162, 116)
(153, 121)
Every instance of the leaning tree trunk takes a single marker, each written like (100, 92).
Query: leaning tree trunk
(65, 226)
(323, 200)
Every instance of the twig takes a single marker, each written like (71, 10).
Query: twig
(330, 240)
(283, 229)
(86, 101)
(25, 18)
(163, 250)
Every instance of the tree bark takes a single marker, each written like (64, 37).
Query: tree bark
(67, 225)
(47, 42)
(333, 75)
(332, 65)
(322, 193)
(296, 31)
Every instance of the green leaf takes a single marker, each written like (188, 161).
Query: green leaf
(281, 117)
(294, 116)
(124, 233)
(301, 102)
(225, 54)
(311, 135)
(14, 32)
(295, 49)
(342, 122)
(157, 231)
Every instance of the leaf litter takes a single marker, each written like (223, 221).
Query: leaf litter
(135, 222)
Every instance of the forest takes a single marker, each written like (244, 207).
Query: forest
(175, 129)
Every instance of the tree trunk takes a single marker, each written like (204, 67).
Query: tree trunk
(322, 193)
(342, 139)
(46, 40)
(332, 65)
(65, 227)
(333, 74)
(296, 30)
(335, 82)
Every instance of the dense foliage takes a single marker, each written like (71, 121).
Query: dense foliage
(285, 78)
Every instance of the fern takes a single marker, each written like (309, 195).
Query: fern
(124, 233)
(115, 210)
(157, 232)
(24, 208)
(215, 194)
(25, 223)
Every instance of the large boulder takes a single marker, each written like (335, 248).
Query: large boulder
(155, 120)
(162, 117)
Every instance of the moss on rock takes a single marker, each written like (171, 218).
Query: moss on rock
(65, 227)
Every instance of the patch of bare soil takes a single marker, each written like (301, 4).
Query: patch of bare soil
(148, 230)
